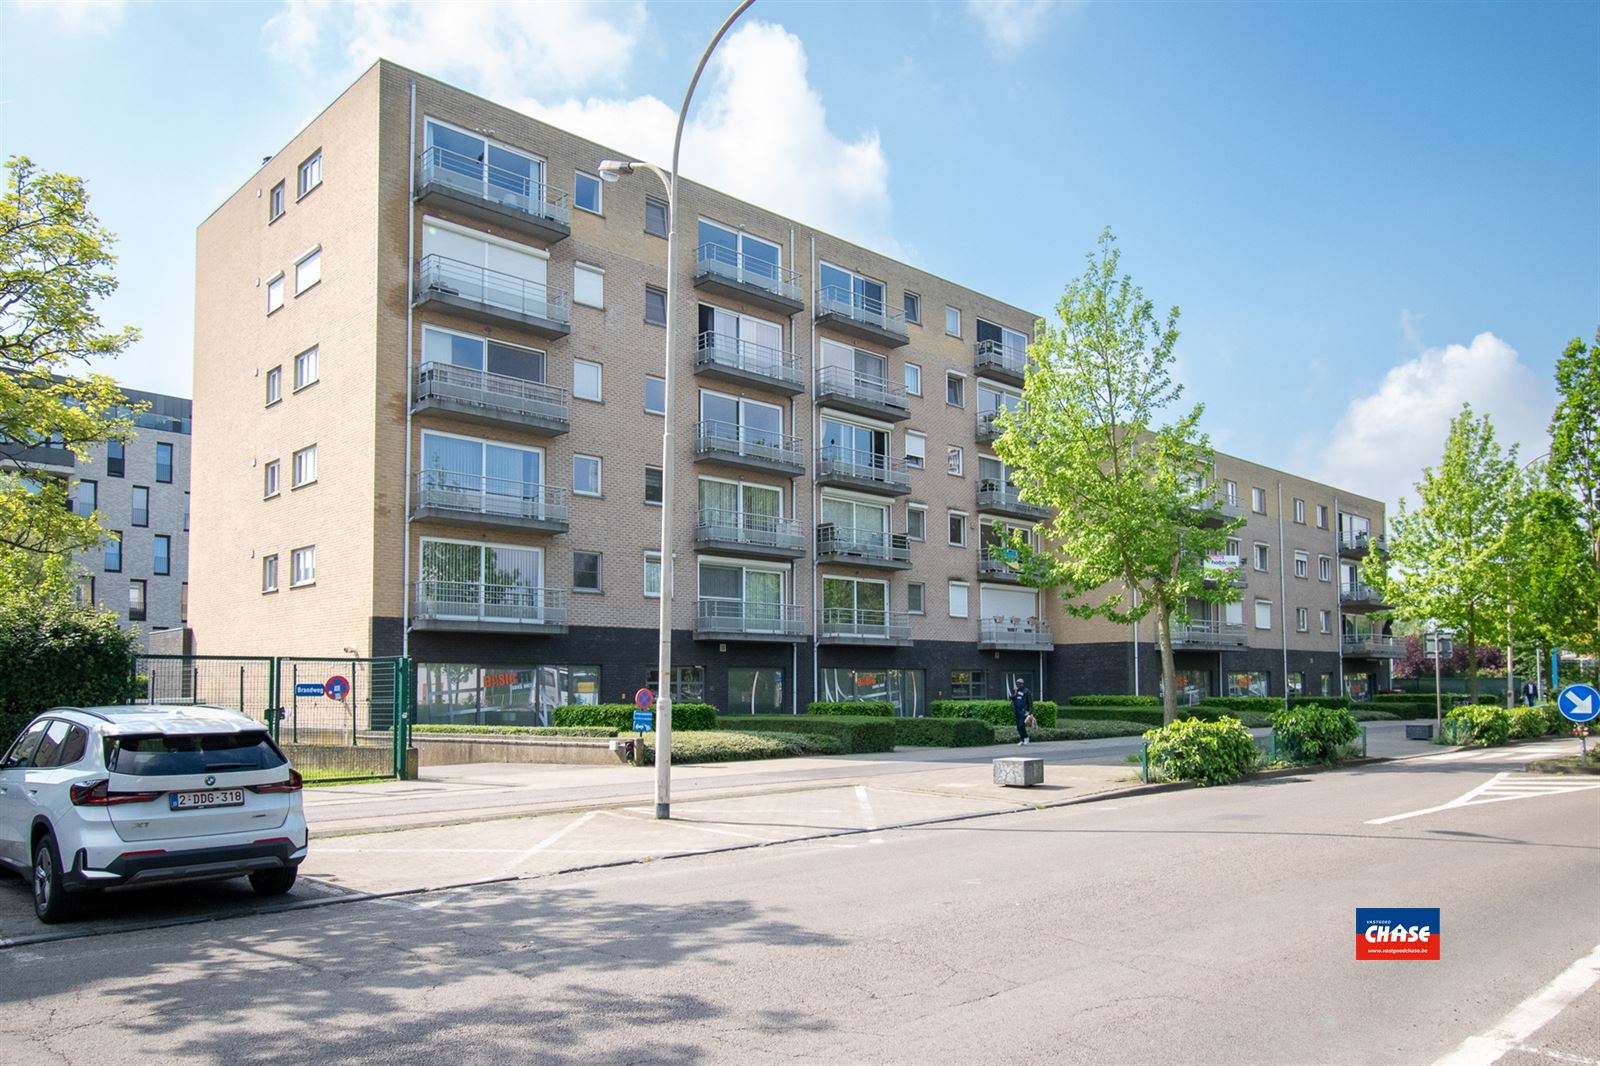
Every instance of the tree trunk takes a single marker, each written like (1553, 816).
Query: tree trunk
(1169, 672)
(1472, 663)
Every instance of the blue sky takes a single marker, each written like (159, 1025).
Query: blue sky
(1368, 213)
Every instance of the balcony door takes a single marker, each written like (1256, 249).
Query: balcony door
(753, 595)
(496, 272)
(1009, 608)
(858, 445)
(485, 168)
(854, 604)
(483, 581)
(757, 342)
(993, 475)
(758, 427)
(739, 256)
(482, 476)
(991, 399)
(864, 295)
(754, 510)
(852, 368)
(476, 353)
(1009, 340)
(856, 522)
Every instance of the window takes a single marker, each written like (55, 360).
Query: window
(303, 566)
(655, 305)
(113, 551)
(116, 458)
(917, 522)
(916, 449)
(586, 380)
(1302, 565)
(655, 216)
(1249, 683)
(586, 192)
(476, 353)
(274, 385)
(967, 685)
(305, 369)
(586, 571)
(186, 512)
(1230, 492)
(85, 591)
(913, 307)
(845, 289)
(755, 690)
(87, 498)
(305, 467)
(274, 293)
(183, 603)
(269, 573)
(1324, 621)
(952, 321)
(1300, 512)
(1258, 501)
(1322, 516)
(1324, 568)
(1263, 614)
(953, 461)
(1261, 556)
(585, 475)
(141, 506)
(655, 395)
(955, 389)
(652, 485)
(916, 594)
(310, 173)
(1233, 548)
(958, 599)
(269, 480)
(913, 379)
(136, 591)
(164, 462)
(275, 203)
(858, 604)
(1296, 682)
(1302, 619)
(163, 555)
(588, 285)
(688, 683)
(307, 271)
(652, 575)
(1007, 346)
(958, 528)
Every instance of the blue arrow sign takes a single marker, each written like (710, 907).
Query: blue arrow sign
(1579, 703)
(644, 721)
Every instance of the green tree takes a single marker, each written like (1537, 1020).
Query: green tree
(1575, 470)
(1447, 559)
(1554, 582)
(55, 263)
(1135, 517)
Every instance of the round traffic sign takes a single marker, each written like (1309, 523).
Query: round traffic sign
(337, 688)
(1580, 703)
(643, 699)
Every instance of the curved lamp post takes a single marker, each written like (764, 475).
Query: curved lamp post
(611, 170)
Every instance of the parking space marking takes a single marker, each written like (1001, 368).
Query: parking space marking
(1500, 788)
(549, 841)
(1529, 1016)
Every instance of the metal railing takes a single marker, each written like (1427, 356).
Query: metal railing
(834, 300)
(476, 601)
(491, 288)
(743, 617)
(1359, 592)
(996, 355)
(994, 496)
(731, 353)
(869, 544)
(733, 441)
(1232, 634)
(745, 527)
(1360, 542)
(864, 624)
(1372, 644)
(986, 428)
(490, 497)
(996, 561)
(836, 461)
(848, 384)
(514, 397)
(464, 174)
(1002, 630)
(715, 260)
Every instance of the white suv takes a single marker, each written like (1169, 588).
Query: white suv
(102, 797)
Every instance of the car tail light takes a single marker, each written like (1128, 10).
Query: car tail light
(294, 784)
(99, 794)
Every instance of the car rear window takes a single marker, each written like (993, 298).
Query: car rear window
(203, 753)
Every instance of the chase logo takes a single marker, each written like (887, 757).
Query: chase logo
(1403, 933)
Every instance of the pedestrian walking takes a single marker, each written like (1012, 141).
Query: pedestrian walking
(1530, 693)
(1022, 706)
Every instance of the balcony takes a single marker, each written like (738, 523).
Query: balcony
(1209, 636)
(727, 358)
(737, 276)
(863, 547)
(997, 563)
(1000, 363)
(847, 390)
(491, 195)
(845, 625)
(491, 399)
(727, 620)
(1226, 511)
(472, 606)
(1225, 570)
(995, 498)
(1372, 646)
(986, 429)
(1360, 598)
(1357, 545)
(860, 317)
(1013, 634)
(489, 296)
(753, 449)
(474, 500)
(744, 533)
(869, 471)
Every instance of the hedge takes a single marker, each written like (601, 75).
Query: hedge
(1374, 716)
(57, 654)
(858, 735)
(1267, 704)
(730, 746)
(851, 708)
(1314, 734)
(1114, 701)
(1248, 719)
(520, 730)
(995, 712)
(686, 717)
(1148, 717)
(1073, 729)
(942, 733)
(1342, 702)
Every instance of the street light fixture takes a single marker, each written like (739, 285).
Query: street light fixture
(612, 170)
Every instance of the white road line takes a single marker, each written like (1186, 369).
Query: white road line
(868, 819)
(690, 823)
(1529, 1016)
(582, 819)
(1500, 788)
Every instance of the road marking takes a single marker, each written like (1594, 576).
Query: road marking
(1529, 1016)
(868, 819)
(690, 823)
(1501, 787)
(582, 819)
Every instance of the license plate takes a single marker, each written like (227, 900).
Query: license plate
(217, 797)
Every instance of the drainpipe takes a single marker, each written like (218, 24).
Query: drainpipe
(411, 372)
(1283, 595)
(1338, 583)
(814, 496)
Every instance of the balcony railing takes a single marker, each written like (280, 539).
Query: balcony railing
(493, 397)
(1363, 542)
(745, 445)
(863, 468)
(748, 360)
(996, 358)
(475, 288)
(837, 543)
(846, 387)
(718, 526)
(1360, 594)
(1373, 646)
(845, 623)
(1209, 634)
(1016, 633)
(847, 307)
(445, 494)
(717, 263)
(1000, 562)
(465, 604)
(468, 176)
(716, 617)
(995, 497)
(987, 429)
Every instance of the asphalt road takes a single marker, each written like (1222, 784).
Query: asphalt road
(1197, 926)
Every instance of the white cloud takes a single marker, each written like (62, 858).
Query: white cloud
(78, 16)
(1385, 438)
(1010, 24)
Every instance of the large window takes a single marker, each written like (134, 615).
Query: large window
(116, 458)
(853, 369)
(688, 683)
(141, 506)
(164, 462)
(113, 551)
(471, 580)
(738, 255)
(485, 168)
(846, 289)
(1247, 683)
(162, 555)
(519, 272)
(136, 598)
(855, 603)
(749, 593)
(993, 475)
(755, 691)
(967, 685)
(740, 506)
(991, 398)
(461, 473)
(751, 422)
(755, 342)
(1192, 686)
(1011, 341)
(905, 689)
(857, 521)
(517, 694)
(476, 353)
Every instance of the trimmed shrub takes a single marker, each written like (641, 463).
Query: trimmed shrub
(995, 712)
(1149, 716)
(1073, 729)
(1528, 722)
(1481, 725)
(851, 708)
(1314, 734)
(1374, 716)
(686, 717)
(1210, 753)
(1266, 704)
(55, 654)
(943, 733)
(1320, 701)
(1248, 719)
(519, 730)
(725, 745)
(1114, 701)
(858, 736)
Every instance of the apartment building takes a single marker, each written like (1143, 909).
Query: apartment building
(429, 365)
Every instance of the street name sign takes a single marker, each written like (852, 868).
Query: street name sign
(310, 688)
(1580, 703)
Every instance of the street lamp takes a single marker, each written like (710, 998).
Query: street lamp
(612, 170)
(1438, 637)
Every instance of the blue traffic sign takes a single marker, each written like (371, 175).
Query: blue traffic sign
(1580, 703)
(337, 687)
(643, 699)
(309, 688)
(644, 721)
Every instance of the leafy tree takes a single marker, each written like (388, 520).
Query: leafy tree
(1447, 559)
(55, 262)
(1554, 582)
(1135, 518)
(1574, 472)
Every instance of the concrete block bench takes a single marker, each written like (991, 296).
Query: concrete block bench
(1019, 772)
(1424, 731)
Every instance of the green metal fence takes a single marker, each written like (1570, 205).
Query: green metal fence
(247, 684)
